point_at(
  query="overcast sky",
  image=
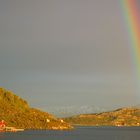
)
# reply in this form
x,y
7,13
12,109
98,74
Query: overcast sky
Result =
x,y
66,52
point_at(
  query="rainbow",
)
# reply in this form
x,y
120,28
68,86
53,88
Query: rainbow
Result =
x,y
132,21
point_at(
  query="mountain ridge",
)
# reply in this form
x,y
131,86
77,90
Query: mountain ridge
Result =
x,y
67,111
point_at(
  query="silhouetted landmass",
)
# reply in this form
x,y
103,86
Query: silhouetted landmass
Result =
x,y
119,117
17,113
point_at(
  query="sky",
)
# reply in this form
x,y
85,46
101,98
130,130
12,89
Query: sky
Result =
x,y
62,53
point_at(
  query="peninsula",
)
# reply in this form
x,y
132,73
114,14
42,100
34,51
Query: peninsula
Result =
x,y
17,113
120,117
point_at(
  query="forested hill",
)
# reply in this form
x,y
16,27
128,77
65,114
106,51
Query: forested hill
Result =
x,y
17,113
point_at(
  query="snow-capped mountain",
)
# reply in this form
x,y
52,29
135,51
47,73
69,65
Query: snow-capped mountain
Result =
x,y
74,110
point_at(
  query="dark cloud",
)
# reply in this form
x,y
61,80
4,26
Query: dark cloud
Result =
x,y
66,48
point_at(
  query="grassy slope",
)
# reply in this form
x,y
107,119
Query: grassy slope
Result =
x,y
124,116
16,112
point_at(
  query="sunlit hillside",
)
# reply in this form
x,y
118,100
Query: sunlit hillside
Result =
x,y
120,117
16,112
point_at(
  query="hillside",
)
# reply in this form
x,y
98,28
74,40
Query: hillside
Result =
x,y
120,117
17,113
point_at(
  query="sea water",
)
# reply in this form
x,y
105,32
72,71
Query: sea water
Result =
x,y
79,133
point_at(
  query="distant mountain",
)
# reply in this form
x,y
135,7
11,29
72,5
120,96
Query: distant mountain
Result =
x,y
68,111
137,106
119,117
16,112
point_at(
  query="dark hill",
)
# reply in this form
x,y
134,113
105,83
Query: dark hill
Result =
x,y
17,113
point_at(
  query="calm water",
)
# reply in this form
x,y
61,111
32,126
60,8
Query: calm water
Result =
x,y
80,133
